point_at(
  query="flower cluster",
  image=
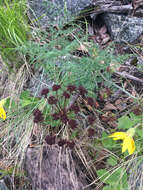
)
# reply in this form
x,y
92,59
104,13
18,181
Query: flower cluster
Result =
x,y
38,116
91,132
91,119
44,92
61,112
52,100
50,140
65,110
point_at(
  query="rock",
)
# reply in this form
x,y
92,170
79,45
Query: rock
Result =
x,y
53,168
123,28
57,11
3,185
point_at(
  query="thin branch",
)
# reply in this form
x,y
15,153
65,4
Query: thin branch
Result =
x,y
126,75
122,89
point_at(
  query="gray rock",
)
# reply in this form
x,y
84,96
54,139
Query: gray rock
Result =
x,y
123,28
53,168
55,12
3,185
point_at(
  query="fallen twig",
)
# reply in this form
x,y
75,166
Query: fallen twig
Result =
x,y
126,75
122,89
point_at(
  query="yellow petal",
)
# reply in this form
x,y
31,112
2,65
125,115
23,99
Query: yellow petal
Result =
x,y
131,148
2,113
118,136
128,144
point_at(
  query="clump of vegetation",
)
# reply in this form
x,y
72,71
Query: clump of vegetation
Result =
x,y
67,56
13,30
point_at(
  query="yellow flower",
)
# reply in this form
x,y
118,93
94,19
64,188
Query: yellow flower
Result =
x,y
2,111
128,142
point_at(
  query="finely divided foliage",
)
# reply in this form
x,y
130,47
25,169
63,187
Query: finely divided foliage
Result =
x,y
62,65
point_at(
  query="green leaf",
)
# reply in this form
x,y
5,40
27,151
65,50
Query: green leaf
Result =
x,y
112,161
26,99
106,141
136,118
107,188
126,122
139,132
117,186
102,174
25,102
111,178
25,94
10,104
74,134
119,174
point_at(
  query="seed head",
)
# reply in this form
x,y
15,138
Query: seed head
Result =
x,y
44,92
90,101
66,95
62,142
56,116
56,87
50,140
70,144
64,117
36,112
38,116
91,132
52,100
72,123
75,108
82,91
71,88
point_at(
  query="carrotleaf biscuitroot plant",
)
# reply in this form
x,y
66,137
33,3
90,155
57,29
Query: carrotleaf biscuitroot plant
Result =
x,y
59,113
67,56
